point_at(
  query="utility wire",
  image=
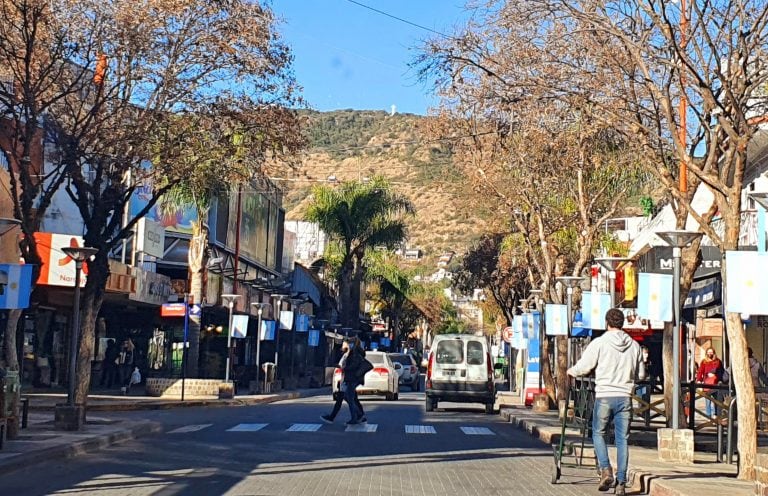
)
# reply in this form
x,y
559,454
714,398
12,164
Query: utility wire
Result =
x,y
400,19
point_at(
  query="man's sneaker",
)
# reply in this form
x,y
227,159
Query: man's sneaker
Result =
x,y
606,479
326,418
353,422
621,489
363,420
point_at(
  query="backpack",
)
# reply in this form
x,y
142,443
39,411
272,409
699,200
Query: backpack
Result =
x,y
365,367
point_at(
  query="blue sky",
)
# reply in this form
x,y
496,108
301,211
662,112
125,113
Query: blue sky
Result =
x,y
347,56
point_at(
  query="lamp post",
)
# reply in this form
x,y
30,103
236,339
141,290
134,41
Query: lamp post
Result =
x,y
677,240
612,264
279,297
296,302
79,255
260,309
762,206
229,300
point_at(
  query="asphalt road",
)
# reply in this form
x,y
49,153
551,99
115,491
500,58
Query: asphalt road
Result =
x,y
285,449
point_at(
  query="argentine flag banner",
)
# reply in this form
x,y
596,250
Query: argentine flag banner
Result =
x,y
556,319
654,296
746,281
531,325
593,308
18,287
518,336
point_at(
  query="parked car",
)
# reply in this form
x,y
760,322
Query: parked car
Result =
x,y
406,368
460,370
383,379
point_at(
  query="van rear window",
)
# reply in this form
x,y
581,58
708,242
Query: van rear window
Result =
x,y
450,352
475,353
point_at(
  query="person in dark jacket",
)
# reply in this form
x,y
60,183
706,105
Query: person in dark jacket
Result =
x,y
354,372
109,365
338,396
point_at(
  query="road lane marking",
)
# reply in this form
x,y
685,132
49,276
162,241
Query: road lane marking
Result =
x,y
420,429
304,427
247,427
362,428
478,431
189,428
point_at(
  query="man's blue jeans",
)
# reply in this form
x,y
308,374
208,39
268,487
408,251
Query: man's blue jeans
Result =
x,y
620,410
351,396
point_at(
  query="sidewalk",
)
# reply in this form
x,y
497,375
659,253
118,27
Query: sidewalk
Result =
x,y
647,474
40,442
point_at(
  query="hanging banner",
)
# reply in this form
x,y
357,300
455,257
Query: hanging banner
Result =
x,y
518,337
594,305
654,296
286,320
17,285
530,324
239,326
746,282
556,318
267,330
313,338
302,323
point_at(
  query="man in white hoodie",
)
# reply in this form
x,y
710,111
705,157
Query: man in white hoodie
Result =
x,y
617,362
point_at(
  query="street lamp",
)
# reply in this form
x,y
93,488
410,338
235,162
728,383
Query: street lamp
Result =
x,y
279,297
612,264
570,282
260,309
229,300
762,201
677,240
79,255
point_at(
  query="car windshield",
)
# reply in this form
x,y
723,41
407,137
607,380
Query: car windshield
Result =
x,y
450,352
375,358
474,353
402,359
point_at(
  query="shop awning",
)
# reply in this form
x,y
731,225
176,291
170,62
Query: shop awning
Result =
x,y
704,292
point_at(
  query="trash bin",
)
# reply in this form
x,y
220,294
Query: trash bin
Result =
x,y
11,389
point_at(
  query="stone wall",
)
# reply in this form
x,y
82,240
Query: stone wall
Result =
x,y
157,386
675,445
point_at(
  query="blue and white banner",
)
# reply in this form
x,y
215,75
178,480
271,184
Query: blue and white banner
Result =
x,y
531,325
286,320
518,336
746,282
654,296
314,337
556,318
239,326
268,330
18,287
302,323
594,305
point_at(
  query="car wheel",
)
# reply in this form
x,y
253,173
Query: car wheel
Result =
x,y
388,396
429,405
396,396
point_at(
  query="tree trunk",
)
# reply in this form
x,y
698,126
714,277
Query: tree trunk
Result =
x,y
196,258
345,295
546,370
562,366
12,363
91,300
745,396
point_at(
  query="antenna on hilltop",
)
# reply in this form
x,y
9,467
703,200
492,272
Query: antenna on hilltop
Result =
x,y
394,109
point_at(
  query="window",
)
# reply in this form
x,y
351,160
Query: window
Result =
x,y
375,359
401,359
475,353
450,352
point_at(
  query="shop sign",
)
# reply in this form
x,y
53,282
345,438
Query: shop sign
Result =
x,y
57,268
173,309
709,328
150,238
150,287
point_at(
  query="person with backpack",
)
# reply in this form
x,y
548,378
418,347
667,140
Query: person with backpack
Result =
x,y
338,397
355,369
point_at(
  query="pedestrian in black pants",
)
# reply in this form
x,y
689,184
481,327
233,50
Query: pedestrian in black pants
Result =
x,y
354,372
109,365
338,396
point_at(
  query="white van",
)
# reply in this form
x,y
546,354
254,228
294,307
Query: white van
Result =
x,y
460,370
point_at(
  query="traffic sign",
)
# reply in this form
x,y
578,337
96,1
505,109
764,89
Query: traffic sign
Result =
x,y
194,310
506,334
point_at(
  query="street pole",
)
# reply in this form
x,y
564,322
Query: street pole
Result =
x,y
676,251
230,299
184,346
75,337
258,337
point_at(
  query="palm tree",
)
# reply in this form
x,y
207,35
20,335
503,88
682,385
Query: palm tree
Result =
x,y
358,216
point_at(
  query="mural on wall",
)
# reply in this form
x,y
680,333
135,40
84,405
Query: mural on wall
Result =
x,y
168,214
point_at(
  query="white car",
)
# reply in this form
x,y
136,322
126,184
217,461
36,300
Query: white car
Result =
x,y
383,379
406,367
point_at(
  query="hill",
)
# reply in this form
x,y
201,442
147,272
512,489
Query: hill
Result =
x,y
352,145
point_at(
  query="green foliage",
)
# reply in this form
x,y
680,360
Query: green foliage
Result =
x,y
646,202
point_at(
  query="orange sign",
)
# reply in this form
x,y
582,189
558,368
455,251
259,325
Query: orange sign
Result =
x,y
57,268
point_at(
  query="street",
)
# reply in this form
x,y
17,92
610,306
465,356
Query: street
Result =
x,y
284,448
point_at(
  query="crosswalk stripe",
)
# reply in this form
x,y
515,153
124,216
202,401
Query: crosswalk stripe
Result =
x,y
247,427
362,428
304,427
189,428
478,431
420,429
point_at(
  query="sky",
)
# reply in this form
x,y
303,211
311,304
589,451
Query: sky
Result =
x,y
349,57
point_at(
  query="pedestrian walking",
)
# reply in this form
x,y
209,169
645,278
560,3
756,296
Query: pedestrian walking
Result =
x,y
617,363
338,396
109,365
355,369
710,372
126,361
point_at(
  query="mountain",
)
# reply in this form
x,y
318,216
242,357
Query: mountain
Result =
x,y
351,145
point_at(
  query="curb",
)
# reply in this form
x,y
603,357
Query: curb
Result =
x,y
87,445
125,406
639,479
